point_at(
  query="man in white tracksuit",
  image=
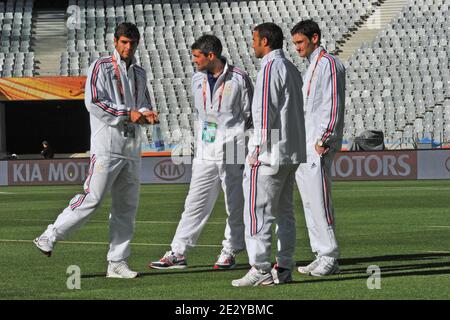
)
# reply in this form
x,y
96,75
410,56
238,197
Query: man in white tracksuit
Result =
x,y
324,94
118,102
276,149
223,95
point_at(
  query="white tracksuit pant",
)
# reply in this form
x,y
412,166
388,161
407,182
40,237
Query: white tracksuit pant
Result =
x,y
314,183
207,178
269,199
121,177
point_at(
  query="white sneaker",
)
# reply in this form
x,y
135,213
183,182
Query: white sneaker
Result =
x,y
254,278
326,267
170,260
120,270
46,241
281,275
310,267
225,261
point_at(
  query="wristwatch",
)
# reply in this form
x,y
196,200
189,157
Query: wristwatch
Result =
x,y
320,143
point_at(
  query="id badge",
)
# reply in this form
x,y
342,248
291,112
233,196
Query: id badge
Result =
x,y
129,131
209,131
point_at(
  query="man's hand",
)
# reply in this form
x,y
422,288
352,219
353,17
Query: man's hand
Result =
x,y
321,150
137,117
252,159
151,117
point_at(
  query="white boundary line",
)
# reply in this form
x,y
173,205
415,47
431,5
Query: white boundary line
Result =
x,y
106,221
445,227
378,189
107,243
136,244
438,251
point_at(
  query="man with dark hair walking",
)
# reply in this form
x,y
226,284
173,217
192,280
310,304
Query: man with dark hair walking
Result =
x,y
324,94
276,149
118,101
223,95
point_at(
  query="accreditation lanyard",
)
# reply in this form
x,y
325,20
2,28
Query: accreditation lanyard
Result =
x,y
221,89
322,53
119,82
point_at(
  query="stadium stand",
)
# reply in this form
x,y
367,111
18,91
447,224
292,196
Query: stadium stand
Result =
x,y
397,82
16,60
168,29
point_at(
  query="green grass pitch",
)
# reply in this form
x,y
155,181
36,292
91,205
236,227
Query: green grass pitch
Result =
x,y
401,227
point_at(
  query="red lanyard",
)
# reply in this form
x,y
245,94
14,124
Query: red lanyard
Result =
x,y
322,53
222,87
119,81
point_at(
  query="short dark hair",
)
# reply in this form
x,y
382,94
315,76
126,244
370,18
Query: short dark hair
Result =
x,y
208,43
272,33
128,30
308,28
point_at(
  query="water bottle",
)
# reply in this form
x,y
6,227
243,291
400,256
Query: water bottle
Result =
x,y
157,137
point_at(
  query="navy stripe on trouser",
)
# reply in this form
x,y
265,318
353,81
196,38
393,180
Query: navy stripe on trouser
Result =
x,y
80,198
252,202
326,193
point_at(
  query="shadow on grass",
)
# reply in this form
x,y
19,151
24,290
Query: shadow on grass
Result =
x,y
189,270
383,275
402,267
399,257
399,270
359,272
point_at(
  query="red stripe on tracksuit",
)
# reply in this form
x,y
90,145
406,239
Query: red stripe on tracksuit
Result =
x,y
78,203
87,190
95,98
91,170
254,169
265,97
238,71
253,190
245,76
334,99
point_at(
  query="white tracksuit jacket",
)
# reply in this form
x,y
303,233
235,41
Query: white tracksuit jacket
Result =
x,y
108,110
278,111
234,116
324,108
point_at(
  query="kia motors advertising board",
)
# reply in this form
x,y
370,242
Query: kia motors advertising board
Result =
x,y
386,165
75,171
433,164
163,170
47,172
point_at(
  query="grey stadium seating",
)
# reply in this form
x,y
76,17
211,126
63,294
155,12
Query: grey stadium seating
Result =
x,y
169,28
398,82
16,60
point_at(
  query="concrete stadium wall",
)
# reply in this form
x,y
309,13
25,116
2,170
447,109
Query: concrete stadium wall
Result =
x,y
348,166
